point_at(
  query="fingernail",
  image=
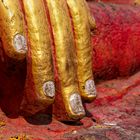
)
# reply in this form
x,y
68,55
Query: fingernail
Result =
x,y
90,88
49,89
20,43
76,104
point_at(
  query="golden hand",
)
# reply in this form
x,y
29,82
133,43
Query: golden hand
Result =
x,y
58,29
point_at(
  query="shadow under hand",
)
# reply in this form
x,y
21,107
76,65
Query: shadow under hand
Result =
x,y
39,119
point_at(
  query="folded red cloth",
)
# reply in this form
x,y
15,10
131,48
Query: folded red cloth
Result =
x,y
116,49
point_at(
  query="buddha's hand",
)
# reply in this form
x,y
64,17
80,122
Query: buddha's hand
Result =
x,y
54,36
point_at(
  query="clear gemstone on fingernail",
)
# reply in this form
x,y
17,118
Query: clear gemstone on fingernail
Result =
x,y
76,104
20,43
49,89
90,88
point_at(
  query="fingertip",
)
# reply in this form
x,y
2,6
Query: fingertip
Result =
x,y
77,110
90,88
49,89
89,93
20,43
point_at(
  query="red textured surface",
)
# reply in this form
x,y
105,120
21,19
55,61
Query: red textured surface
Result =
x,y
114,115
117,1
116,49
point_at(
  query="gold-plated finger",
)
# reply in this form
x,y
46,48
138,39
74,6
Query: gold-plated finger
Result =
x,y
12,29
40,89
65,57
91,19
81,25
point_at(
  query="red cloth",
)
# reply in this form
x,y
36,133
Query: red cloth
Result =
x,y
117,1
116,41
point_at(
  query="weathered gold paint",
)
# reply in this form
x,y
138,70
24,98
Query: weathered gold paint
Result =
x,y
64,46
82,23
39,47
11,23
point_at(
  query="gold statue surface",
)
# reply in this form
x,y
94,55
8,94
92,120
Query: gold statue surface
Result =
x,y
54,38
